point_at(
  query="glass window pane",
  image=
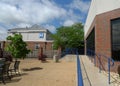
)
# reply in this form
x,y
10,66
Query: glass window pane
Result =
x,y
115,39
90,42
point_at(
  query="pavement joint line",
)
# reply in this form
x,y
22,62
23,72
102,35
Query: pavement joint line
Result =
x,y
85,72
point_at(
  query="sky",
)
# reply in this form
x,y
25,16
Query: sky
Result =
x,y
50,14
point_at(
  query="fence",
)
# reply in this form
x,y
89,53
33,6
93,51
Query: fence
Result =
x,y
35,53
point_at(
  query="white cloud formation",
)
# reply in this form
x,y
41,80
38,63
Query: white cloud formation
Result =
x,y
81,5
71,18
22,25
22,13
29,12
51,28
68,23
3,33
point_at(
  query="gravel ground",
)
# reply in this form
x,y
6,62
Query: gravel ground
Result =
x,y
36,73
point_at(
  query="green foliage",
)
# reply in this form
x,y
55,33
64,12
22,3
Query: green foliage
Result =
x,y
17,47
69,37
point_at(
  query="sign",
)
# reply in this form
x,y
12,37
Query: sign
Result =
x,y
41,35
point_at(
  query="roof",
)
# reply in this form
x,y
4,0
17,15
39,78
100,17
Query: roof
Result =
x,y
34,27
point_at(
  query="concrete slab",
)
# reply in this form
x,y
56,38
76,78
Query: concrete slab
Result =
x,y
91,75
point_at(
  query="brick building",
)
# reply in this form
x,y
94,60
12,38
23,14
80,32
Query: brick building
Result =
x,y
37,38
102,30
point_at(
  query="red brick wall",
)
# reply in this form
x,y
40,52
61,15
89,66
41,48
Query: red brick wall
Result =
x,y
47,47
102,24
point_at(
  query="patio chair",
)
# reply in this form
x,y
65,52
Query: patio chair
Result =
x,y
1,76
15,68
4,71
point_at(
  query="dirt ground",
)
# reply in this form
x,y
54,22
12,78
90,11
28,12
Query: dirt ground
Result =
x,y
36,73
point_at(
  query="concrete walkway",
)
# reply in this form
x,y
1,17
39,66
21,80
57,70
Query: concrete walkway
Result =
x,y
91,75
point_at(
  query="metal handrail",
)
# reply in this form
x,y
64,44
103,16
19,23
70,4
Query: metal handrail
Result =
x,y
79,72
91,52
109,60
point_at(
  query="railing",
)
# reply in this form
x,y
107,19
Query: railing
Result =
x,y
99,56
79,72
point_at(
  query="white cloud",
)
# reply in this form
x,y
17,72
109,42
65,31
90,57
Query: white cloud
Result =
x,y
22,25
29,11
22,13
68,23
71,18
81,5
3,33
51,28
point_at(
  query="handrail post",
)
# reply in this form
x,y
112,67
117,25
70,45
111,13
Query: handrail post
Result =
x,y
99,57
110,60
94,59
109,70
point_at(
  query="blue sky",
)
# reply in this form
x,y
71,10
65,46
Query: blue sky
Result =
x,y
47,13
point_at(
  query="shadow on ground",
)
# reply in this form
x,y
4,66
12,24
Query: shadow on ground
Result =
x,y
14,78
32,69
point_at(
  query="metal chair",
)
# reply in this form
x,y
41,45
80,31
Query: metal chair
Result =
x,y
15,68
4,71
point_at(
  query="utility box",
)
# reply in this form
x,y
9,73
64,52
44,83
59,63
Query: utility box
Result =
x,y
55,58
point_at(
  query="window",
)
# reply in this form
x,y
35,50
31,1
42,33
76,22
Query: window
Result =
x,y
115,29
37,46
14,33
90,42
0,45
41,35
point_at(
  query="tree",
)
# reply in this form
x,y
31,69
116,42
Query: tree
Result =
x,y
69,36
17,47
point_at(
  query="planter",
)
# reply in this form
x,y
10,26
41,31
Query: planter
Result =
x,y
55,58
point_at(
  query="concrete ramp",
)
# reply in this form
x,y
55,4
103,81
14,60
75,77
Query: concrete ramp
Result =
x,y
69,58
91,75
